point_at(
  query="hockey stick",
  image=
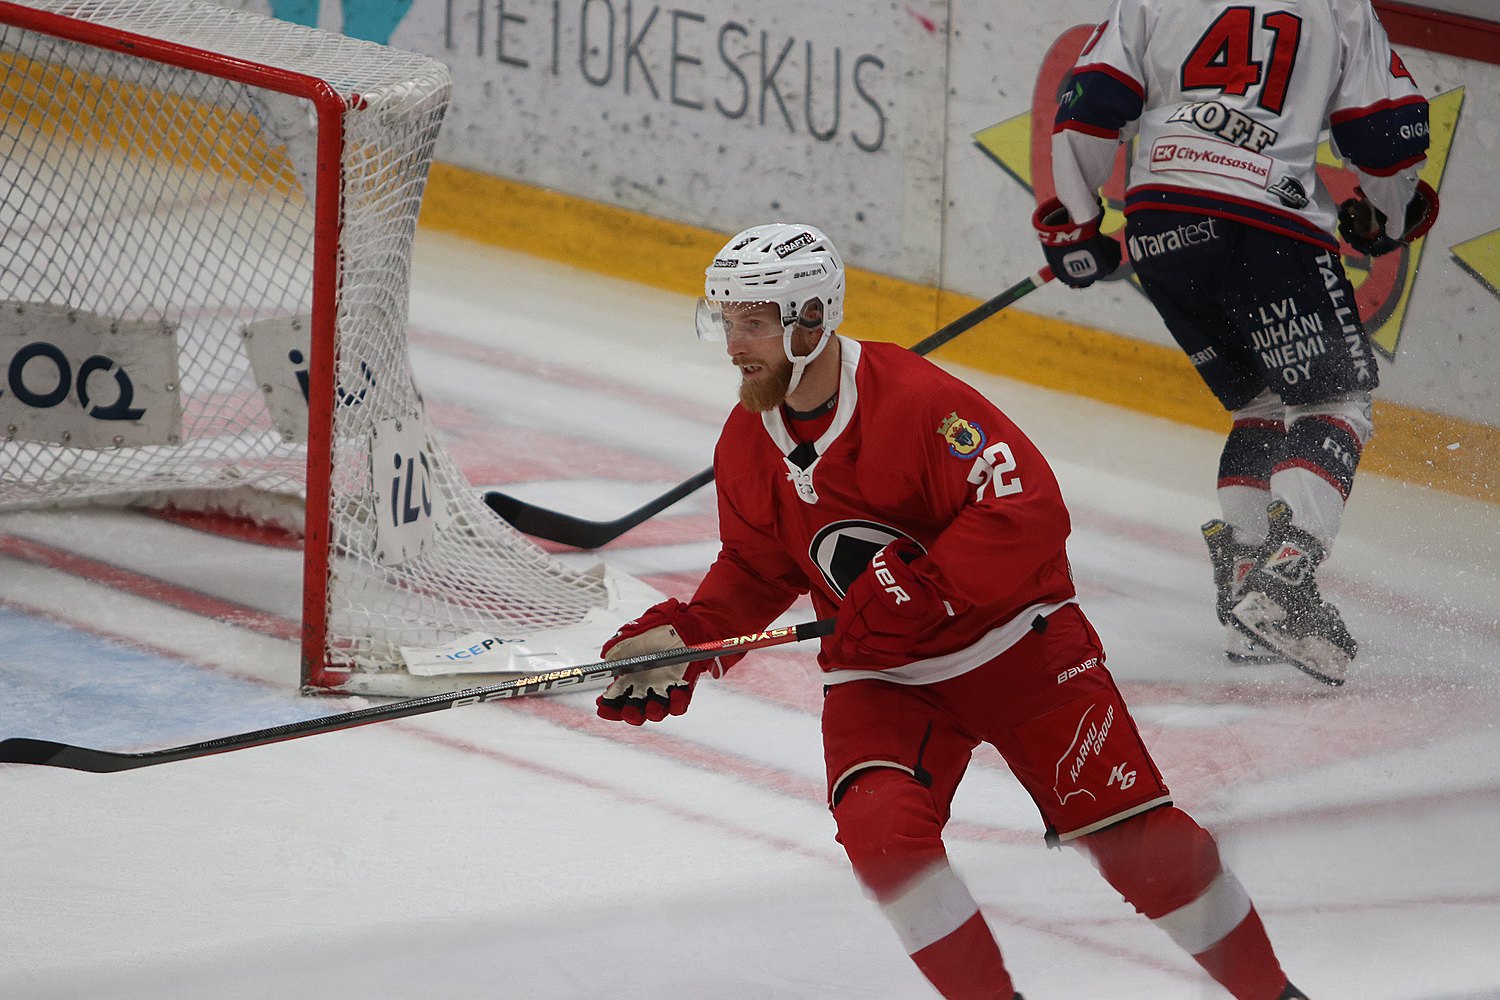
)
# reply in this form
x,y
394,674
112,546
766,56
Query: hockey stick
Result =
x,y
539,522
581,533
22,750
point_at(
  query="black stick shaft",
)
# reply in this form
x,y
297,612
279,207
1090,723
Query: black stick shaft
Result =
x,y
22,750
982,312
581,533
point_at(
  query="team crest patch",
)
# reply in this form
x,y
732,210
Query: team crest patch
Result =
x,y
964,437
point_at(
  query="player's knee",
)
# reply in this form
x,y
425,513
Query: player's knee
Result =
x,y
1254,443
1266,408
1327,438
889,827
1350,413
1159,860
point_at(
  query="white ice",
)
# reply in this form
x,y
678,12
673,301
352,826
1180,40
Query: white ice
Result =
x,y
527,851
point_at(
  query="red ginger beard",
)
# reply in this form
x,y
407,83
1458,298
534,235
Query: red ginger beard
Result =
x,y
767,390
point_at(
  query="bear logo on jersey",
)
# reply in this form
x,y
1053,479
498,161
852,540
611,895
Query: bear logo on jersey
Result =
x,y
843,550
964,437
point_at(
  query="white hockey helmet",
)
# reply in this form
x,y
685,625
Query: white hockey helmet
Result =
x,y
788,264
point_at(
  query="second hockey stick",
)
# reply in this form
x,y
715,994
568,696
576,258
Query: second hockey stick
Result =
x,y
23,750
581,533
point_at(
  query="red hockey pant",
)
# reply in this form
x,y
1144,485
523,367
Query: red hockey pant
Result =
x,y
896,753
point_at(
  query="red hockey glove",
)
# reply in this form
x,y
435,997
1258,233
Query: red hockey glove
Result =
x,y
886,608
1077,252
1362,225
652,695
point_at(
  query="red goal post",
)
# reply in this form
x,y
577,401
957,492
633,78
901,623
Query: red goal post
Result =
x,y
208,223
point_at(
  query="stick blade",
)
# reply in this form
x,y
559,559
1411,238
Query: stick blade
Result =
x,y
552,526
23,750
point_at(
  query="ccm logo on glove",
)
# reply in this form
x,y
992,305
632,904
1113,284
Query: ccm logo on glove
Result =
x,y
1077,252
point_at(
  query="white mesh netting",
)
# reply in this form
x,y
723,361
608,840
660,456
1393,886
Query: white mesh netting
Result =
x,y
142,196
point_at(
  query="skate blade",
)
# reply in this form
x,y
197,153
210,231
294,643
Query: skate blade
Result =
x,y
1257,617
1246,650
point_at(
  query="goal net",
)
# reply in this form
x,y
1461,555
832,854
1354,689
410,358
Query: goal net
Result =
x,y
206,230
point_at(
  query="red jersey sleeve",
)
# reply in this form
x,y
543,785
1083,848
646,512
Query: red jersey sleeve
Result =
x,y
995,510
753,579
1006,540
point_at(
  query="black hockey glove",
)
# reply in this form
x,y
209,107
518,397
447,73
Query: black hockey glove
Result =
x,y
1362,225
1078,253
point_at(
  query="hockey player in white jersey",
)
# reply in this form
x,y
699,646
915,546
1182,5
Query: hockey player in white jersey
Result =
x,y
1231,235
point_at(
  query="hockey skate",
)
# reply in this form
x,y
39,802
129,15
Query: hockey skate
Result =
x,y
1292,993
1232,562
1281,607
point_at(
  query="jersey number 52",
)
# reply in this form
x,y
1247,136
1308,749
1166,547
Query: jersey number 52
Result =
x,y
989,469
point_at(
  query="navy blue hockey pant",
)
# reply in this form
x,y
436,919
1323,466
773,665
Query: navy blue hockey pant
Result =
x,y
1253,309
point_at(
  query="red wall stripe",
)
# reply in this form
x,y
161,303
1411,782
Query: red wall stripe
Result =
x,y
1439,31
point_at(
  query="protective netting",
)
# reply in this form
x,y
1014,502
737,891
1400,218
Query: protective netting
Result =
x,y
147,200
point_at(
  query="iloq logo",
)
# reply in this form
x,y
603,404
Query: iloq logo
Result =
x,y
86,381
410,505
41,376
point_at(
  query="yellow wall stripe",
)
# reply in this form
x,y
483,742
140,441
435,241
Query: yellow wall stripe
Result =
x,y
140,120
1418,446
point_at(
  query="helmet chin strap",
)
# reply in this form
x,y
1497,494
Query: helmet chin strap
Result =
x,y
799,364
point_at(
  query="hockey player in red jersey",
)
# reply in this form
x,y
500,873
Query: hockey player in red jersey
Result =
x,y
921,518
1230,233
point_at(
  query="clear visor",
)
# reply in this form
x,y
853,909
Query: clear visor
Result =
x,y
718,320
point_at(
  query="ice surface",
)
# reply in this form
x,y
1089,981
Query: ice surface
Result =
x,y
526,850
